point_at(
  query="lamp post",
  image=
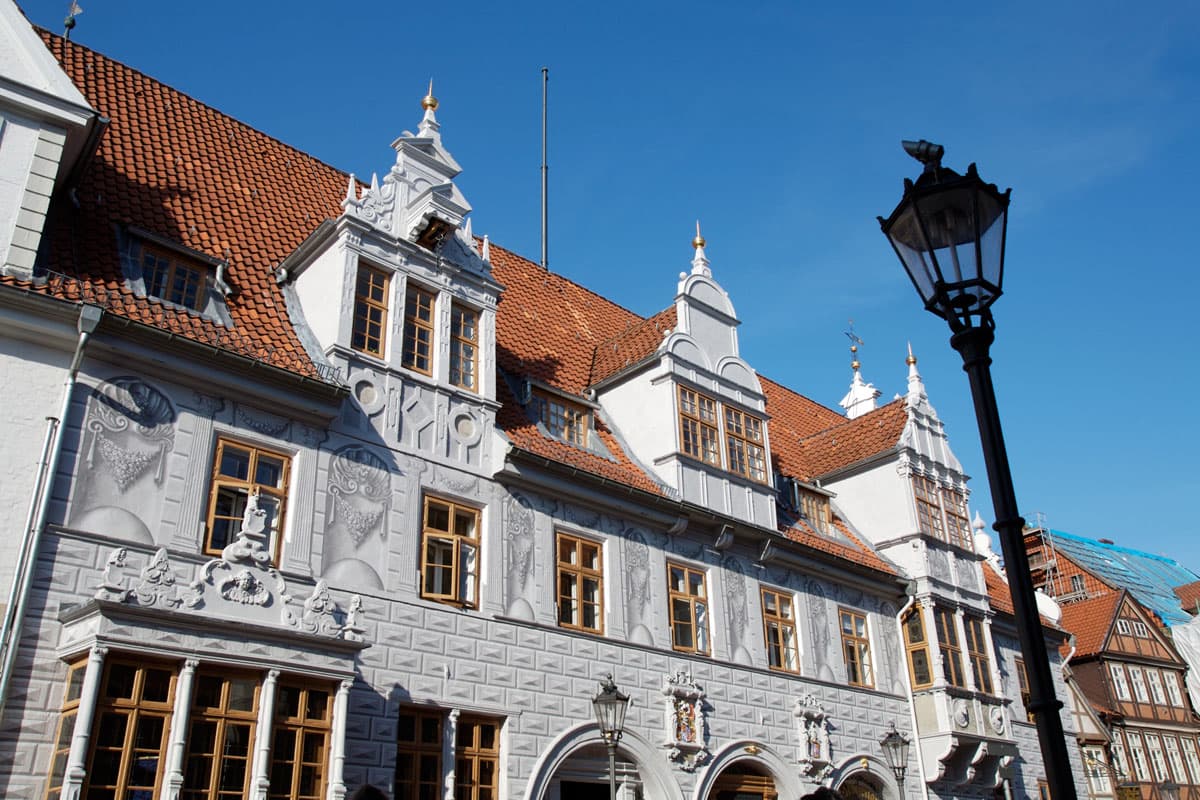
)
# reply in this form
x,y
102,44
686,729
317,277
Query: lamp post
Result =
x,y
948,232
895,751
610,705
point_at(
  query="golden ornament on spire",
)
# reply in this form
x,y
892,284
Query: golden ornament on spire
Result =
x,y
911,358
699,240
429,102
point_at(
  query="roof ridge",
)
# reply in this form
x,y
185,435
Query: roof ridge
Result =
x,y
49,37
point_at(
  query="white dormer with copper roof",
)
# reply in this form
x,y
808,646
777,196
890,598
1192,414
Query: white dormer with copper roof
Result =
x,y
396,294
692,409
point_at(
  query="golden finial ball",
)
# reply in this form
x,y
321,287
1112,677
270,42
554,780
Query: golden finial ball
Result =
x,y
698,241
910,360
855,365
429,102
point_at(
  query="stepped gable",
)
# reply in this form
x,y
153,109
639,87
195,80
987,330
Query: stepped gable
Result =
x,y
852,440
1090,621
634,344
177,168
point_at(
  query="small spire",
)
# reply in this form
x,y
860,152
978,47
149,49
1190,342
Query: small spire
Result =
x,y
699,260
916,387
351,190
486,256
429,102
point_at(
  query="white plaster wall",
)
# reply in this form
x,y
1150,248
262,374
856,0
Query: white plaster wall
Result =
x,y
643,413
320,288
18,140
33,377
877,501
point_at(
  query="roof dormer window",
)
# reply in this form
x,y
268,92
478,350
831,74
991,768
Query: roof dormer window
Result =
x,y
698,426
562,418
173,278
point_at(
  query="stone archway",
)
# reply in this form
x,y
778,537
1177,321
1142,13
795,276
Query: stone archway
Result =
x,y
581,744
865,778
744,765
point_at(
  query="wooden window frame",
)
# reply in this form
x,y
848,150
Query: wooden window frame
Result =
x,y
221,481
133,709
418,749
464,594
1174,752
1174,693
1120,682
301,725
1154,682
562,418
1137,679
420,317
1023,688
778,623
678,600
957,517
745,445
927,493
699,436
1158,757
916,642
171,266
1191,757
223,717
578,574
471,759
949,648
464,348
856,648
977,653
372,290
1141,630
814,509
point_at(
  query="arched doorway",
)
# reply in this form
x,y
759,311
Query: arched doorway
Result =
x,y
743,781
574,766
861,787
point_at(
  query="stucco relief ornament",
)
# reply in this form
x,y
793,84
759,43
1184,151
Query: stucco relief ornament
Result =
x,y
686,721
518,554
318,612
112,585
996,717
156,584
353,630
962,713
812,727
131,428
360,487
244,588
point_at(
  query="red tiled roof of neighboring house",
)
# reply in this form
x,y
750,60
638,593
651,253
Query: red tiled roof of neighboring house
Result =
x,y
853,440
1090,621
1189,596
181,170
631,345
997,589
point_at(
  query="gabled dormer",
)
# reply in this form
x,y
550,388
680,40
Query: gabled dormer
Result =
x,y
687,404
46,130
397,294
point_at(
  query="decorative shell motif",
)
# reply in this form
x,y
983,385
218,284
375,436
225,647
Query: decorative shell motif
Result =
x,y
357,472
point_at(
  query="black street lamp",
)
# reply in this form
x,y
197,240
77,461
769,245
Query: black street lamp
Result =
x,y
948,231
610,706
895,751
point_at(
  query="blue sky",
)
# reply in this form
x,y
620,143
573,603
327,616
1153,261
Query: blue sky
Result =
x,y
777,124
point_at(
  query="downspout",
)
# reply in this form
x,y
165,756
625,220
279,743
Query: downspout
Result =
x,y
39,509
912,701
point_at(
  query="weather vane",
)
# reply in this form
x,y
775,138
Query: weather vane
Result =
x,y
855,343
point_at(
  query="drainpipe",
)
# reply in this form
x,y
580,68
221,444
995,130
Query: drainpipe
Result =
x,y
912,701
39,509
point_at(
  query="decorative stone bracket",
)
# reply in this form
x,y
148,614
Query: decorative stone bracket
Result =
x,y
686,721
812,729
242,585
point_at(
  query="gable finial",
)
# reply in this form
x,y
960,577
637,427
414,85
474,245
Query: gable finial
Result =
x,y
855,342
862,395
916,387
429,102
699,260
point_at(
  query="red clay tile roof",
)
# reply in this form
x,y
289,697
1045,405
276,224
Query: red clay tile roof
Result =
x,y
631,345
1090,621
1189,596
859,553
184,171
997,589
181,170
852,440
